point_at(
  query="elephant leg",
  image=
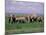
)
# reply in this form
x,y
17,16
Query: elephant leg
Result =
x,y
9,21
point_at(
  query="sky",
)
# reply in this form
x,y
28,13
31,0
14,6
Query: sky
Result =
x,y
13,6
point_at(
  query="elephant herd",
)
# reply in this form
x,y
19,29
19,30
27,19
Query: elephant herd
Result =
x,y
24,19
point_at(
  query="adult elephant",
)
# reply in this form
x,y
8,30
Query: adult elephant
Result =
x,y
40,19
9,19
21,19
13,19
35,18
31,18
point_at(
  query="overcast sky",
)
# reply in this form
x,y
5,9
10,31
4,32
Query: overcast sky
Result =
x,y
24,7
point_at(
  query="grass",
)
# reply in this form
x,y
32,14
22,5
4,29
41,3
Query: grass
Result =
x,y
24,27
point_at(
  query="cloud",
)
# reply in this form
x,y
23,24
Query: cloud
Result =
x,y
13,1
24,7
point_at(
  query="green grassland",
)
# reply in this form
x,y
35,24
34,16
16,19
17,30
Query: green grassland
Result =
x,y
24,27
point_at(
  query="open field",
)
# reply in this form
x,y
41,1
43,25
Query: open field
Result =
x,y
24,27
